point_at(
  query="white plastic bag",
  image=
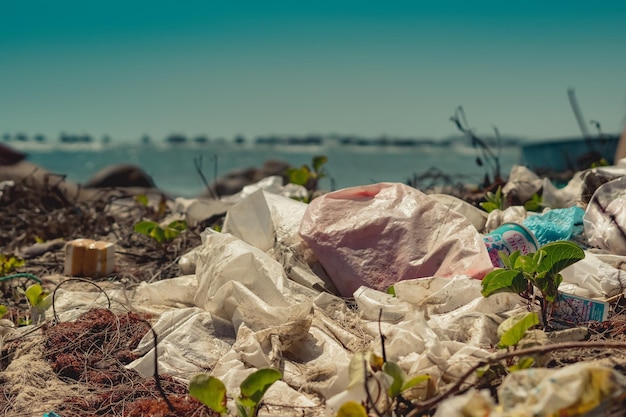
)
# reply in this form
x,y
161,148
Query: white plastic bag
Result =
x,y
376,235
605,217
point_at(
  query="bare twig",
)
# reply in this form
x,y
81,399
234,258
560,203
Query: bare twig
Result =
x,y
54,312
198,165
157,379
461,123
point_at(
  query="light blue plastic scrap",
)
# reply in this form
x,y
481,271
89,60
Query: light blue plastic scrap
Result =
x,y
51,414
556,224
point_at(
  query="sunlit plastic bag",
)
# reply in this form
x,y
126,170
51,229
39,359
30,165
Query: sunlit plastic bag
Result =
x,y
605,217
376,235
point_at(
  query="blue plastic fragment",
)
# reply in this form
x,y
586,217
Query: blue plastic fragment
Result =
x,y
51,414
556,224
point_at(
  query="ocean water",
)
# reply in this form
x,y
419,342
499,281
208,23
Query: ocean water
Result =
x,y
173,166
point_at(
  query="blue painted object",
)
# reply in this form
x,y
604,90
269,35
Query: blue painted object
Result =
x,y
556,224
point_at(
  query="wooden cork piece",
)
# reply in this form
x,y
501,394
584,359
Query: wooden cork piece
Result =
x,y
87,257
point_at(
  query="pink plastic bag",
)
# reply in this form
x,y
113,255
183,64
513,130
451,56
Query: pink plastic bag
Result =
x,y
376,235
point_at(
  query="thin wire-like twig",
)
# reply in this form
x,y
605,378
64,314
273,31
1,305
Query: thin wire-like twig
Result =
x,y
54,312
157,379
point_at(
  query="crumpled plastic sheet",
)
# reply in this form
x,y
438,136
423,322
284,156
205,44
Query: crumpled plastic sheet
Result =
x,y
579,187
379,234
574,390
513,214
556,224
593,277
523,182
605,218
240,312
476,216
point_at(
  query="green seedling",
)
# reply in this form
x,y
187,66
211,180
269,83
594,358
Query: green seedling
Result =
x,y
8,264
159,234
534,204
153,212
211,392
511,332
308,176
495,201
363,366
514,329
523,273
39,301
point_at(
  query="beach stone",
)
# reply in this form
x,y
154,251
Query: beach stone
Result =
x,y
9,156
120,175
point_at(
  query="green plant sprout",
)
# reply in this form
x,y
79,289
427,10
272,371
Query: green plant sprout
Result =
x,y
159,234
152,212
308,177
523,273
534,204
211,392
363,366
39,300
511,331
8,264
495,201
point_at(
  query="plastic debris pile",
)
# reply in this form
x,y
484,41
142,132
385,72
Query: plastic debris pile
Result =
x,y
303,288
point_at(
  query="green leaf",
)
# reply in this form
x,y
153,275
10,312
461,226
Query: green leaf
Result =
x,y
534,204
3,310
416,380
525,263
178,225
23,321
142,199
503,280
524,362
145,227
507,260
299,176
34,293
44,302
158,234
318,161
254,386
515,333
9,263
488,206
558,256
352,409
391,290
394,371
210,391
356,369
173,230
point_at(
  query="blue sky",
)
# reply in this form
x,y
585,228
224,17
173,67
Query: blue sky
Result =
x,y
224,68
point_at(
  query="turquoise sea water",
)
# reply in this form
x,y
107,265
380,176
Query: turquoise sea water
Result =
x,y
172,166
